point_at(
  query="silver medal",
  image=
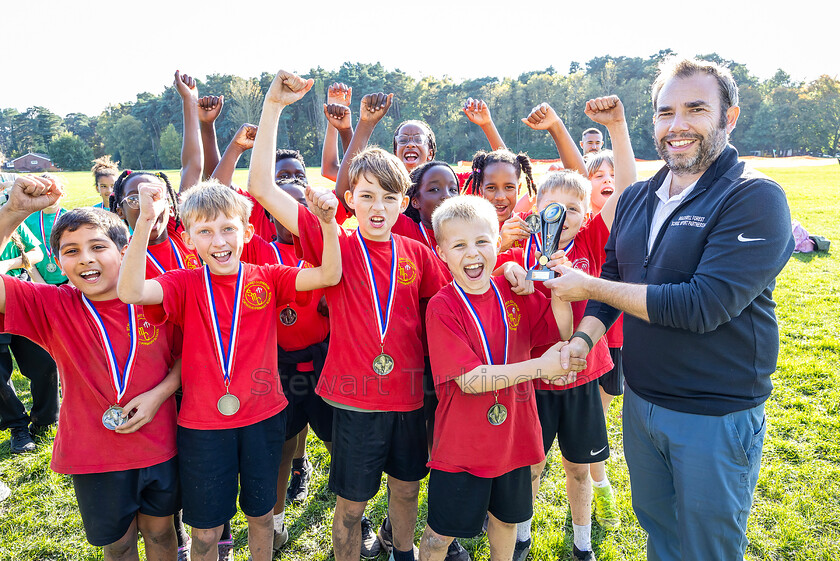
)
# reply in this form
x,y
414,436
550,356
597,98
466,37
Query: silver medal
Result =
x,y
112,418
51,268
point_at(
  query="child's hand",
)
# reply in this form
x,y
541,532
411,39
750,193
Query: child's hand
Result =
x,y
553,371
338,116
31,193
542,117
152,201
606,111
144,408
245,136
516,276
209,108
374,107
513,230
323,204
185,85
287,88
477,112
558,259
339,94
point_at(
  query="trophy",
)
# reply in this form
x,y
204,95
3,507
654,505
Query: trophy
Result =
x,y
550,225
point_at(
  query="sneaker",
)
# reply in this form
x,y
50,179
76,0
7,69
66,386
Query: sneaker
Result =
x,y
583,555
21,441
299,482
226,550
386,535
281,538
37,431
370,544
606,513
184,551
456,552
521,550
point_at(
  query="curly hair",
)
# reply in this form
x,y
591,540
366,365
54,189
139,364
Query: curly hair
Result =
x,y
432,143
102,167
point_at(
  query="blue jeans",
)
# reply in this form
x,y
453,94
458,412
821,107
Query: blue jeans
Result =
x,y
692,478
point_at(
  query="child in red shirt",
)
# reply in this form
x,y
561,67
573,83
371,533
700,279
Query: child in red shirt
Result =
x,y
480,339
116,434
373,373
231,424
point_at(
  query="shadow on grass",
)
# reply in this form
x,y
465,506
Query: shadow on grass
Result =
x,y
808,257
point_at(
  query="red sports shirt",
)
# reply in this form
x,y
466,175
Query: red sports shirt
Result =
x,y
464,440
56,318
254,379
348,375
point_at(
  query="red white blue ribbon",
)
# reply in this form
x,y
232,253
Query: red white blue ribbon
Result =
x,y
44,232
480,327
225,355
157,263
280,257
120,378
428,239
383,316
536,242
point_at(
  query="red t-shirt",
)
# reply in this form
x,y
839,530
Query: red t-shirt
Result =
x,y
258,251
172,254
56,318
263,226
615,334
348,375
254,378
464,439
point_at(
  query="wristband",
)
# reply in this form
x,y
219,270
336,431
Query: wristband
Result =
x,y
586,338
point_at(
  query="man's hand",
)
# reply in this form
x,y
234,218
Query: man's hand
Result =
x,y
322,204
339,94
542,117
210,107
287,88
338,116
515,274
554,371
244,137
607,111
374,107
185,86
571,285
513,229
477,112
31,193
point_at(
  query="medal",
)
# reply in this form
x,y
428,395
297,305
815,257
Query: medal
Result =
x,y
228,404
288,316
533,241
51,266
119,378
497,413
178,258
428,239
534,222
383,363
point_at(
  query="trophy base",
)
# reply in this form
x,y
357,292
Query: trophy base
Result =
x,y
540,275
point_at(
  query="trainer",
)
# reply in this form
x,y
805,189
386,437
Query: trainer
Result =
x,y
692,261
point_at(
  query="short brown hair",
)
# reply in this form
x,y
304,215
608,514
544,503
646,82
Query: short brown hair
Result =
x,y
209,199
106,222
383,166
681,67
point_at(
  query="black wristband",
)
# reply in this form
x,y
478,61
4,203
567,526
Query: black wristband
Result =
x,y
586,338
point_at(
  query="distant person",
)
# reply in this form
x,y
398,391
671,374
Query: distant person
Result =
x,y
105,173
591,141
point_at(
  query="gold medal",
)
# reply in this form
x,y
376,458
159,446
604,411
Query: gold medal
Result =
x,y
543,260
228,404
112,418
497,414
288,316
383,364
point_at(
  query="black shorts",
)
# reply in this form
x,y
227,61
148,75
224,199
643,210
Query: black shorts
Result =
x,y
367,444
109,501
613,381
576,418
305,407
458,502
430,400
215,464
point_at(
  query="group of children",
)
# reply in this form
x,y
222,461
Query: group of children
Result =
x,y
413,345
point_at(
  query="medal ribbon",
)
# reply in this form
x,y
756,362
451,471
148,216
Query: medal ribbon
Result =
x,y
480,327
119,378
44,232
280,258
428,239
157,264
383,317
536,241
226,357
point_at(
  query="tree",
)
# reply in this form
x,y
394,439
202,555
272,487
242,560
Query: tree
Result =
x,y
70,152
169,150
133,143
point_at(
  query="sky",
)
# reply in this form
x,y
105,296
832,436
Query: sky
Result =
x,y
81,57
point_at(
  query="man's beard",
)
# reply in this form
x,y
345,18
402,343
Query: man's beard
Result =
x,y
708,150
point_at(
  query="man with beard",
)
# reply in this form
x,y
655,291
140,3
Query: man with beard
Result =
x,y
692,261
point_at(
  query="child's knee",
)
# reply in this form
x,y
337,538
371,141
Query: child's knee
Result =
x,y
205,540
578,472
349,513
404,490
435,541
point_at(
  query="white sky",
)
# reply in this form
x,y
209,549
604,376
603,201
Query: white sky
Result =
x,y
81,56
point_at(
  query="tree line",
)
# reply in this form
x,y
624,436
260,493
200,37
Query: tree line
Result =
x,y
778,115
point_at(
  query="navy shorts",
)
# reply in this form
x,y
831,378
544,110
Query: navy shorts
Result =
x,y
305,407
613,381
365,444
576,418
216,464
458,502
109,501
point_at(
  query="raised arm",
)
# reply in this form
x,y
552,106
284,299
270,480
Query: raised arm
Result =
x,y
478,112
543,117
132,287
337,94
609,111
241,142
192,159
323,204
285,90
209,108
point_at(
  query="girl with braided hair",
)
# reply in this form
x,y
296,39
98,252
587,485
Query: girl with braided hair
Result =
x,y
105,173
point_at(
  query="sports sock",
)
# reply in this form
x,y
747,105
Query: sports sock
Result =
x,y
403,555
523,531
279,520
582,536
181,532
297,463
599,484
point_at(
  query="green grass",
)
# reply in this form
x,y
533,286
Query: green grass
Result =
x,y
794,515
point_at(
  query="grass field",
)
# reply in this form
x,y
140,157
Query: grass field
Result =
x,y
795,512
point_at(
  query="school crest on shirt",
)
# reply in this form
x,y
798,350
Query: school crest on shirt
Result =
x,y
513,315
147,333
191,262
582,264
257,295
406,271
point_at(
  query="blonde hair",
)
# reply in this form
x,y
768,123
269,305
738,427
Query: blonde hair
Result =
x,y
566,181
386,168
209,199
595,161
470,208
